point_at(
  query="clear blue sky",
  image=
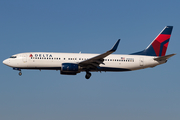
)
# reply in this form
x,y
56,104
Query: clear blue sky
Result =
x,y
90,27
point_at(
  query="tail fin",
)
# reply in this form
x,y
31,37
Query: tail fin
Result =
x,y
159,45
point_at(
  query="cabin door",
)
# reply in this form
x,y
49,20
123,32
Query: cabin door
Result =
x,y
141,61
24,58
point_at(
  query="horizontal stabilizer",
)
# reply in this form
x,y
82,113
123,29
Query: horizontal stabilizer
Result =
x,y
164,57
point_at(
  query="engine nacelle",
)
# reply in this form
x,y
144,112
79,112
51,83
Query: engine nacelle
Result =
x,y
69,69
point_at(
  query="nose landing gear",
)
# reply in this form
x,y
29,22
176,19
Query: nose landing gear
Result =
x,y
20,73
88,75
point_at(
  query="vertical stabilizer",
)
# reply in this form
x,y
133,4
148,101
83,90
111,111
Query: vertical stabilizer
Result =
x,y
159,45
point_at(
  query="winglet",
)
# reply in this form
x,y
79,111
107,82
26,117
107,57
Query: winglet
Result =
x,y
113,49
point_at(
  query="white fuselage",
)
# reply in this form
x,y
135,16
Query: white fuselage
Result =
x,y
53,61
73,63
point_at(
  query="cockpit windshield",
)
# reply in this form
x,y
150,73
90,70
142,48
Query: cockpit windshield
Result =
x,y
13,57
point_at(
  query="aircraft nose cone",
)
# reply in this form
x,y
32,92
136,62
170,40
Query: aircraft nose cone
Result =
x,y
5,62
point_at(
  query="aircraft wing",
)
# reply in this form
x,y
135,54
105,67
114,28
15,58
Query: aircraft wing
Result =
x,y
164,57
95,61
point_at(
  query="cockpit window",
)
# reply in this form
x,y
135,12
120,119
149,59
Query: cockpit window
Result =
x,y
13,57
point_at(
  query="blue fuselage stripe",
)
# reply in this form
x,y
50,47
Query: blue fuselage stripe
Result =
x,y
59,68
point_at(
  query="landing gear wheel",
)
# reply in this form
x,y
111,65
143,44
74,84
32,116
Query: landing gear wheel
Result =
x,y
20,73
88,75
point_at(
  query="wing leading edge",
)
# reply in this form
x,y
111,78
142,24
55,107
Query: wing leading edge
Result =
x,y
95,61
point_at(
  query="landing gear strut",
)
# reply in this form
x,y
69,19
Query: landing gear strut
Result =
x,y
88,75
20,73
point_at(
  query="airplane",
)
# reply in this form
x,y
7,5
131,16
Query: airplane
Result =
x,y
73,63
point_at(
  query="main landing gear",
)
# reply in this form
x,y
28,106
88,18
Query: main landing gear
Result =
x,y
88,75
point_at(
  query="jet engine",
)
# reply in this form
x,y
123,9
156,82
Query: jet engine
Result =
x,y
69,69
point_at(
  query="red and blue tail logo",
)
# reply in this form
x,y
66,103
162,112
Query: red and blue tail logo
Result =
x,y
159,45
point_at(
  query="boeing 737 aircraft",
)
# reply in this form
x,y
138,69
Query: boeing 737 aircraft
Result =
x,y
73,63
